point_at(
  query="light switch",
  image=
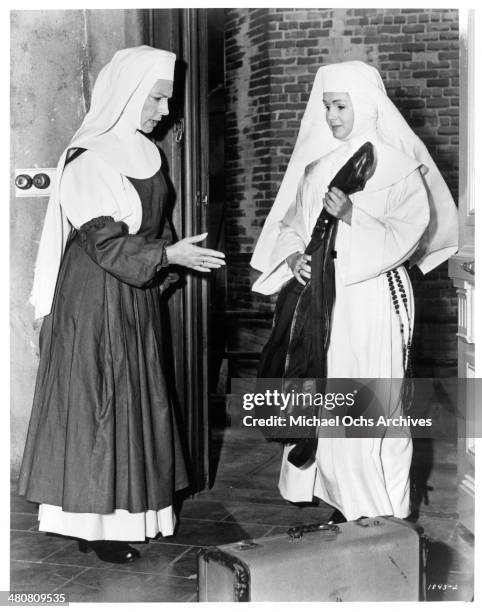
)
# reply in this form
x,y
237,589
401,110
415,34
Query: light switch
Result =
x,y
34,182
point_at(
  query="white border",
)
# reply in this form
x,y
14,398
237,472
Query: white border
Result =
x,y
4,255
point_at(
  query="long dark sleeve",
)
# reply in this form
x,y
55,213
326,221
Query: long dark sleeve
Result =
x,y
131,258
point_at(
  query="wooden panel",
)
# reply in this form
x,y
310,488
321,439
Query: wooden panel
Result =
x,y
184,140
162,30
196,196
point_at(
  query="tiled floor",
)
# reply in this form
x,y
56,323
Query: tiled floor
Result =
x,y
243,503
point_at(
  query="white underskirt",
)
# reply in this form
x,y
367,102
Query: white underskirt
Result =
x,y
119,525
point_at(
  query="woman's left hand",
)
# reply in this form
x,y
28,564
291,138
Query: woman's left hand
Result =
x,y
338,204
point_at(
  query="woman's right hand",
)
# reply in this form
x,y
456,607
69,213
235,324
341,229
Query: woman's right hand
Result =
x,y
186,253
300,265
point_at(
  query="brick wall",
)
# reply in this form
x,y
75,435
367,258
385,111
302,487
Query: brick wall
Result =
x,y
272,56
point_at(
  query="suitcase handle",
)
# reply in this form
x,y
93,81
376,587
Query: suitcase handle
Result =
x,y
296,533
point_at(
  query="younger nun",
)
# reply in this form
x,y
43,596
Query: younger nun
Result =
x,y
405,213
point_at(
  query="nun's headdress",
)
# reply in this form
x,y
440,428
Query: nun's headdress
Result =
x,y
110,129
366,89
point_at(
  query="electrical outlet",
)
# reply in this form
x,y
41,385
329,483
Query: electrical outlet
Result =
x,y
34,182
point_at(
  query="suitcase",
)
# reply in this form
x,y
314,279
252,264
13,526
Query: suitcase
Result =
x,y
370,559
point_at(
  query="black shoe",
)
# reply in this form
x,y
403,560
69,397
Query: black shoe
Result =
x,y
336,517
110,550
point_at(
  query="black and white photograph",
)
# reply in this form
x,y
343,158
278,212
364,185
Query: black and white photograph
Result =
x,y
242,305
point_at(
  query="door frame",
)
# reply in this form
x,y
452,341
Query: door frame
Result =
x,y
184,31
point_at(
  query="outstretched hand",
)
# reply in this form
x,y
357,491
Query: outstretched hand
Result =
x,y
186,253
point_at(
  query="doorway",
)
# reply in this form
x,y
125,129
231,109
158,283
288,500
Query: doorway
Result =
x,y
193,145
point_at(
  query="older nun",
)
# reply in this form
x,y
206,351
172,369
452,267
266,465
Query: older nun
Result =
x,y
404,214
103,457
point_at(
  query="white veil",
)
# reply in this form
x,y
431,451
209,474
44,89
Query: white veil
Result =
x,y
109,129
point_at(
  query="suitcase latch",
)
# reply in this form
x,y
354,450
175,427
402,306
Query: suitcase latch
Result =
x,y
365,521
246,545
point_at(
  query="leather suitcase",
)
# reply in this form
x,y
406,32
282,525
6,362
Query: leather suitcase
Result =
x,y
370,559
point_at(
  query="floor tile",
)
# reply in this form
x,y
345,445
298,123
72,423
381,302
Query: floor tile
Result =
x,y
223,492
34,546
23,522
69,554
438,529
453,554
203,509
210,533
155,558
185,566
102,585
39,577
288,515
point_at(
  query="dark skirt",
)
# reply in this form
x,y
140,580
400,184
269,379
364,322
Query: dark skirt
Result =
x,y
103,434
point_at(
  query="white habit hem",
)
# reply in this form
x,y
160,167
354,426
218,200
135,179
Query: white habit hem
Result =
x,y
119,525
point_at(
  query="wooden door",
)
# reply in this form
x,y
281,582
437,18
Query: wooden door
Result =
x,y
185,144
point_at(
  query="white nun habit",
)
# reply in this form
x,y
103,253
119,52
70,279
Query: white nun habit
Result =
x,y
404,213
98,187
